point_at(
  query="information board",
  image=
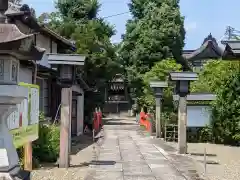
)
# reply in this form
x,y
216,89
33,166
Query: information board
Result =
x,y
198,116
23,123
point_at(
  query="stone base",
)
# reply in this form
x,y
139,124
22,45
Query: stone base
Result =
x,y
182,150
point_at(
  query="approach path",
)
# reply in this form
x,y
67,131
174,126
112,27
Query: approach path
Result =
x,y
126,154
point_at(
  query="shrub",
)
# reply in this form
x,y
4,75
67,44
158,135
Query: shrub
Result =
x,y
46,147
206,134
225,114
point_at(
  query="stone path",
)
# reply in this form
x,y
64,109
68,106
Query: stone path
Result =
x,y
127,155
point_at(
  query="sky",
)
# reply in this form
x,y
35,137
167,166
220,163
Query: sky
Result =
x,y
202,17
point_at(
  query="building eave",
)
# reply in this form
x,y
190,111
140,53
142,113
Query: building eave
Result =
x,y
232,50
63,41
199,53
30,21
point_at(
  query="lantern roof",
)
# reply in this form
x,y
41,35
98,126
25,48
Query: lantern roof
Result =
x,y
118,78
16,43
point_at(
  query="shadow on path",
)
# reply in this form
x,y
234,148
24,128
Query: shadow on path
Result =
x,y
202,154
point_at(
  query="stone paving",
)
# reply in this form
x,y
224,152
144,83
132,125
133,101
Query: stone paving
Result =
x,y
127,155
223,162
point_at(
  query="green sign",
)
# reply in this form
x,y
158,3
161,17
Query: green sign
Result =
x,y
24,122
24,134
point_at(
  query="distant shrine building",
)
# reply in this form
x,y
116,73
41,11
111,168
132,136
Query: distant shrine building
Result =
x,y
208,50
116,96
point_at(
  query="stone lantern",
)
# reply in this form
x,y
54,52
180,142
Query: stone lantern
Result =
x,y
14,47
157,87
182,80
66,64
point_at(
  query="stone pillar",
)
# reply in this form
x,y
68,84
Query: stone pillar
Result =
x,y
158,117
80,114
182,125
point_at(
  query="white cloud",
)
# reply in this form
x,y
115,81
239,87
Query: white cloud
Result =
x,y
189,26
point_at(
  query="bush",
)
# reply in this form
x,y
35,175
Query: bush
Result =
x,y
206,134
46,147
225,112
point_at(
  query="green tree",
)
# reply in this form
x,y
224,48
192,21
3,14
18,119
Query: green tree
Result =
x,y
137,7
78,9
226,111
222,78
77,20
155,33
160,71
212,75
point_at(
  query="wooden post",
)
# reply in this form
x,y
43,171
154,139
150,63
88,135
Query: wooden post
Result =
x,y
65,128
28,156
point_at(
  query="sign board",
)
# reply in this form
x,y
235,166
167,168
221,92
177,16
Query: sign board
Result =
x,y
198,116
23,123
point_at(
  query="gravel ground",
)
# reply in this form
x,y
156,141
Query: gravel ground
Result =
x,y
223,162
82,155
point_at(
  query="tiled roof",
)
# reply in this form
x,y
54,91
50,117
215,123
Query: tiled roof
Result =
x,y
13,12
209,49
232,49
11,37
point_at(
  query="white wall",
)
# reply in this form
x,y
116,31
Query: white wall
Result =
x,y
43,42
25,75
198,116
46,43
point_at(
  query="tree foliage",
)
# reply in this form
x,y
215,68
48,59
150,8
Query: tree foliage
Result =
x,y
78,9
212,75
155,33
160,71
77,20
226,111
223,79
